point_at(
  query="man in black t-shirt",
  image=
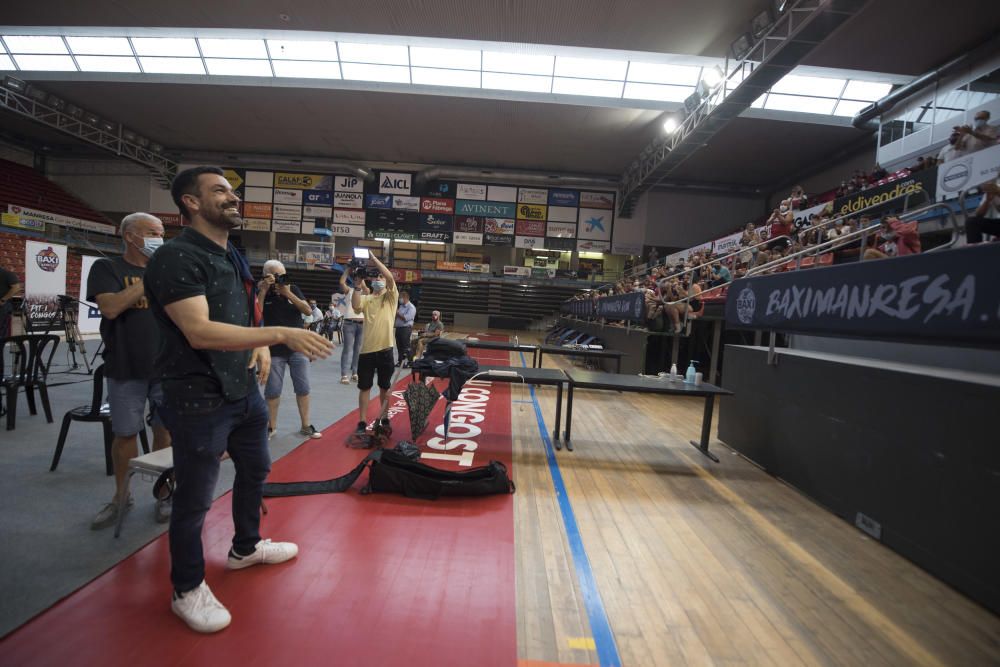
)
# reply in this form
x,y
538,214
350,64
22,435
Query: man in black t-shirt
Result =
x,y
10,286
131,339
202,294
284,305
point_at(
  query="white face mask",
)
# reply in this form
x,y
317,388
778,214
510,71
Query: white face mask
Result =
x,y
979,123
150,244
378,285
784,209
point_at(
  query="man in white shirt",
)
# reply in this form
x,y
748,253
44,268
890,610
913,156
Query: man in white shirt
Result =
x,y
405,314
978,136
352,328
985,218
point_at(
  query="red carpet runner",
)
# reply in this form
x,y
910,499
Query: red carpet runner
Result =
x,y
380,580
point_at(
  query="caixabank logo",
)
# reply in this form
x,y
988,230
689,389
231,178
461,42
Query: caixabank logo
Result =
x,y
47,259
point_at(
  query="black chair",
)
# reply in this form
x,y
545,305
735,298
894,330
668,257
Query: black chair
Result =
x,y
30,370
97,411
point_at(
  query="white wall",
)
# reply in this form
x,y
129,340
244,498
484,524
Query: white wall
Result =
x,y
683,220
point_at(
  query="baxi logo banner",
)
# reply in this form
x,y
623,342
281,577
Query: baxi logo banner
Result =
x,y
47,259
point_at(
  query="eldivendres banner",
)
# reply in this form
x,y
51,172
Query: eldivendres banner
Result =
x,y
89,318
44,278
921,186
947,296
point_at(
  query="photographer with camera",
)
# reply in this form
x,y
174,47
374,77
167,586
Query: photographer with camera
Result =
x,y
284,305
379,311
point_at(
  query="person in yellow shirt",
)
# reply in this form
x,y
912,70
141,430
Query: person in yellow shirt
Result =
x,y
379,310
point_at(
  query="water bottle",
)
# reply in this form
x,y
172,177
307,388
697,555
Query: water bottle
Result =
x,y
673,371
689,377
517,343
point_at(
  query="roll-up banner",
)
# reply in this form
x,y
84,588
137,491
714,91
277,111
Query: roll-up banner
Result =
x,y
44,278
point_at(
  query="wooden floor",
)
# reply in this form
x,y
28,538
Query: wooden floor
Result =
x,y
703,563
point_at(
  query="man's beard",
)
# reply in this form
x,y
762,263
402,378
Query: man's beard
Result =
x,y
225,220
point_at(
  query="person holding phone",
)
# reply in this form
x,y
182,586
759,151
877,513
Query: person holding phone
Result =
x,y
351,327
379,310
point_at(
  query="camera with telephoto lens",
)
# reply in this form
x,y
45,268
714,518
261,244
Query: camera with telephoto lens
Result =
x,y
280,278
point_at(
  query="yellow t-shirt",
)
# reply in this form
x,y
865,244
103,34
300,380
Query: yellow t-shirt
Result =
x,y
380,315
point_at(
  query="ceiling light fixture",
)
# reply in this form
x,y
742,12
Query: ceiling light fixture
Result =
x,y
741,47
14,84
761,24
670,124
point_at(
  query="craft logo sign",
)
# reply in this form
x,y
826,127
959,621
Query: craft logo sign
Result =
x,y
564,198
530,212
490,209
597,200
393,183
47,260
349,184
746,305
435,205
378,201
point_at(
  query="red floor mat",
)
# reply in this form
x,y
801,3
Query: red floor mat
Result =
x,y
380,580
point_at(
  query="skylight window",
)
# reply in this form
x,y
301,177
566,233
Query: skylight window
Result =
x,y
849,107
165,46
375,54
232,48
100,46
652,91
678,75
383,73
815,86
820,105
284,49
238,67
107,63
591,68
6,62
588,87
422,56
306,69
34,44
866,90
517,63
445,77
172,65
45,63
519,82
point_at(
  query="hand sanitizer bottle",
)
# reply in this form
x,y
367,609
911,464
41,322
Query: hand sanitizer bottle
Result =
x,y
689,377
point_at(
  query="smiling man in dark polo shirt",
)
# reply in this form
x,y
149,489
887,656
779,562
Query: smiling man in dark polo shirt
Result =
x,y
202,294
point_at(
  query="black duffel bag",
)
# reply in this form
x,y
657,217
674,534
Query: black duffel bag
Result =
x,y
392,472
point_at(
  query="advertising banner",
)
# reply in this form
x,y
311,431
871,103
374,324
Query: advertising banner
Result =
x,y
492,239
444,189
256,225
553,243
30,216
88,319
298,181
260,179
593,246
727,244
286,196
583,308
532,196
258,195
349,184
889,197
530,212
517,271
563,214
626,248
597,200
404,203
313,212
350,231
968,171
318,197
435,227
469,223
236,178
348,217
402,225
563,230
530,228
378,201
490,209
499,226
945,296
255,210
286,212
471,191
536,242
436,205
407,276
467,238
286,226
44,278
594,224
501,193
564,198
14,220
631,307
348,200
170,219
394,183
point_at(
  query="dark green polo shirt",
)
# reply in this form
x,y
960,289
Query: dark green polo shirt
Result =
x,y
193,265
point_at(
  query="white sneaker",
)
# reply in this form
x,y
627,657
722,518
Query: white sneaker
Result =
x,y
266,552
201,610
354,378
344,379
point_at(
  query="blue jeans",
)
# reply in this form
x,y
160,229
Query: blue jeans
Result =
x,y
353,333
298,365
239,427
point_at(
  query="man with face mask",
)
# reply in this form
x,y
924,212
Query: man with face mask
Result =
x,y
379,310
131,338
405,315
212,354
978,136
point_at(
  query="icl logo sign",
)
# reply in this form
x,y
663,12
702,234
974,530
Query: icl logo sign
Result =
x,y
390,183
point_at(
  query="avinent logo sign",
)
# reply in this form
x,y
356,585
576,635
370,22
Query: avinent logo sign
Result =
x,y
392,183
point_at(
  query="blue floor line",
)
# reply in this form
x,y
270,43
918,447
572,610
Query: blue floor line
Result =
x,y
604,640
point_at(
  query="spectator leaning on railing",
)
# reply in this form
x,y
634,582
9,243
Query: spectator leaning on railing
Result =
x,y
986,216
900,238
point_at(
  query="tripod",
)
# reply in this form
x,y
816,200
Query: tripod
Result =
x,y
66,314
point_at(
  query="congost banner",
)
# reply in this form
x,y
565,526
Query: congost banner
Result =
x,y
44,278
89,318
